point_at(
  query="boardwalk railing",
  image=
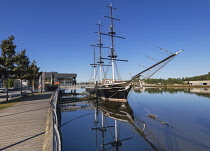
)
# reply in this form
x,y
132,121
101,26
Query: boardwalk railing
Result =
x,y
55,124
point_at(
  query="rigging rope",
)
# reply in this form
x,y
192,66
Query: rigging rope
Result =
x,y
91,76
118,73
103,74
157,51
107,69
151,58
163,49
160,67
97,73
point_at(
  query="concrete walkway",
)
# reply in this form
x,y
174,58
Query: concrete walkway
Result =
x,y
22,126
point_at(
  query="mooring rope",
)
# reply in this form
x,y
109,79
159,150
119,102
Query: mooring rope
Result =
x,y
75,119
154,117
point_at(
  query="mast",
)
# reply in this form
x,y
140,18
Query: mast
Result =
x,y
103,129
100,46
117,141
94,65
100,49
96,126
112,34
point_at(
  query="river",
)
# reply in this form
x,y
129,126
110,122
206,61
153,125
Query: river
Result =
x,y
155,119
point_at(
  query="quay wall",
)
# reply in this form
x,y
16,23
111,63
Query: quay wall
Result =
x,y
48,141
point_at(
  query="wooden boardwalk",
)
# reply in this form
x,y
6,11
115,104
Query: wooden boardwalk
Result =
x,y
22,126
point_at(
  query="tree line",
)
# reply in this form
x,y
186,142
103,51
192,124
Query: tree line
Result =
x,y
16,65
171,81
198,78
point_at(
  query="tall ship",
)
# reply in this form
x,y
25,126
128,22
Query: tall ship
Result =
x,y
109,88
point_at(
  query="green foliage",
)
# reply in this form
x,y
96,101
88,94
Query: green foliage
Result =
x,y
198,78
7,57
22,65
33,73
8,48
10,83
15,65
169,81
1,68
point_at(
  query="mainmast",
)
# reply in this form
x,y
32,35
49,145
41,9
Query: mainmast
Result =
x,y
112,34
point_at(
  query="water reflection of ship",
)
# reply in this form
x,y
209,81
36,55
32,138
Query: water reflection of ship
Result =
x,y
119,112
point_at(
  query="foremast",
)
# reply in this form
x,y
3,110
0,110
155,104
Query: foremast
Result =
x,y
100,53
100,45
94,65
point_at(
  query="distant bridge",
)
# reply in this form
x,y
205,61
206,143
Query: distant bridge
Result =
x,y
79,86
72,107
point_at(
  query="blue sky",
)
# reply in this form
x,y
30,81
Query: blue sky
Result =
x,y
57,33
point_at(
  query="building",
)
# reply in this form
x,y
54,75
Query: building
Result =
x,y
50,79
17,84
203,82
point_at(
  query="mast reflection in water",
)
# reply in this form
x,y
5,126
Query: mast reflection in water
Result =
x,y
108,125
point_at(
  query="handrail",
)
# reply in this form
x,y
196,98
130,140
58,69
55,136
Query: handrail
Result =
x,y
56,134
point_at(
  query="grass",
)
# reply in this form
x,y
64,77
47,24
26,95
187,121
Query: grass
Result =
x,y
6,104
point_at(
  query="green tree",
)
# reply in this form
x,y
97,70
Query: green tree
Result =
x,y
21,67
9,82
7,59
1,68
33,74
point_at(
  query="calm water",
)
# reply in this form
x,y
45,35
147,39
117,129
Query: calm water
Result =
x,y
180,121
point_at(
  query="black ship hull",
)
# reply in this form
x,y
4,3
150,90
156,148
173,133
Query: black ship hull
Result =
x,y
114,93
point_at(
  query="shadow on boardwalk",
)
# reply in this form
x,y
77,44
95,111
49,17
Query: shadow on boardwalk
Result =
x,y
22,126
22,141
